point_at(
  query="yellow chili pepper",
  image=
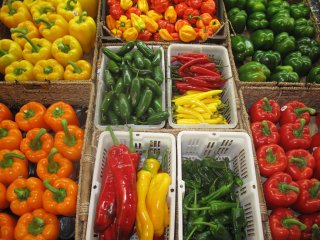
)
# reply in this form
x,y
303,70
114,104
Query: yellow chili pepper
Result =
x,y
165,35
151,25
151,163
200,96
170,15
14,13
192,112
48,70
126,4
110,22
154,15
19,71
215,25
143,5
187,33
27,28
123,23
69,9
10,52
137,22
130,34
117,33
41,8
196,121
192,101
80,70
204,115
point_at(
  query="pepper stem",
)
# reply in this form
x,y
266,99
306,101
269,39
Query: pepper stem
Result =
x,y
36,226
164,160
19,30
22,193
76,68
8,160
29,113
2,52
289,222
197,209
47,70
298,133
300,111
299,161
265,128
3,132
313,192
192,232
267,107
57,112
114,138
64,47
35,47
46,9
132,149
12,10
285,188
69,139
315,231
81,17
18,71
45,21
270,156
53,166
69,7
36,142
205,223
59,194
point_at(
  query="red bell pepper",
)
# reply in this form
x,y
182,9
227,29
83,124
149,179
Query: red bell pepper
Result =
x,y
293,111
312,221
280,190
196,4
264,132
309,197
265,109
300,164
316,171
116,11
180,8
134,10
166,25
284,225
271,159
208,6
295,136
315,142
145,35
318,120
191,15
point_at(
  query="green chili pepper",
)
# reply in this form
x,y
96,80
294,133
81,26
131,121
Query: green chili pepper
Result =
x,y
147,64
126,48
106,102
135,91
158,75
157,104
127,76
112,117
113,66
125,107
144,49
108,79
111,55
128,56
116,107
223,190
119,87
157,57
138,60
144,103
152,84
238,221
218,231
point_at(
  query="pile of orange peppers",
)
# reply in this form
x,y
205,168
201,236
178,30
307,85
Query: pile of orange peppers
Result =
x,y
47,40
52,140
162,20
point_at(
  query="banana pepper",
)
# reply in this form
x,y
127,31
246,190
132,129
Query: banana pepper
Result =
x,y
10,51
123,23
137,22
126,4
14,13
48,70
19,71
187,33
154,15
27,28
69,9
41,8
143,5
80,70
151,25
170,15
130,34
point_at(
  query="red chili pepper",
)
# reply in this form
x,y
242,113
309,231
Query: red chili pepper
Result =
x,y
264,132
182,58
186,86
180,9
295,135
293,111
316,171
284,225
265,109
203,71
280,190
182,91
202,83
300,164
145,35
194,61
211,78
210,66
191,15
312,221
194,55
271,159
134,10
309,197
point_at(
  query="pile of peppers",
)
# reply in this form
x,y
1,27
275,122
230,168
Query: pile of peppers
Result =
x,y
291,166
211,208
281,45
47,41
40,150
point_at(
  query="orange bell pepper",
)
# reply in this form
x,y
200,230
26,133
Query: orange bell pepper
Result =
x,y
38,225
13,165
187,34
215,25
180,23
54,166
37,144
3,200
10,135
7,225
5,113
60,198
25,195
170,15
58,111
206,18
31,116
69,141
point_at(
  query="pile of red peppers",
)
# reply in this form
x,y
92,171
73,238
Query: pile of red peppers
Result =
x,y
289,158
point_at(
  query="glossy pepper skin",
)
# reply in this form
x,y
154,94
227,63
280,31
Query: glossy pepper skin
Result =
x,y
256,6
300,164
19,71
256,21
151,25
265,109
294,111
284,74
235,3
277,6
170,15
284,225
310,220
269,58
39,9
262,39
80,70
264,132
5,113
299,10
130,34
27,28
10,52
253,72
69,9
284,43
238,19
49,69
3,198
7,226
14,13
10,135
309,47
314,75
301,64
303,28
187,33
282,22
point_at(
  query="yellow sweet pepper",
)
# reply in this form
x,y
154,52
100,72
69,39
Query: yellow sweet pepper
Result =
x,y
110,22
90,6
80,70
126,4
30,3
27,28
130,34
19,71
170,15
165,35
10,52
151,25
55,3
137,22
187,33
154,15
143,5
152,163
215,25
69,9
14,13
41,8
53,26
65,49
123,23
117,33
81,24
48,70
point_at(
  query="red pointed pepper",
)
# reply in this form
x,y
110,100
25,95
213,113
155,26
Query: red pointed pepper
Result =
x,y
265,109
300,164
316,171
312,221
293,111
264,132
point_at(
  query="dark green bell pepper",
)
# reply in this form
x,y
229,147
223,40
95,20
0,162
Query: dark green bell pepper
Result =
x,y
314,75
303,28
309,47
242,47
284,74
235,3
299,10
256,6
282,22
238,19
257,20
254,72
269,58
300,64
276,6
284,43
262,39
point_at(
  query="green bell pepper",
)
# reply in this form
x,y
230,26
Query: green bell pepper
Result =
x,y
256,6
238,19
314,75
235,3
262,39
282,22
309,47
276,6
284,74
269,58
254,72
257,20
303,28
242,47
284,43
301,64
299,10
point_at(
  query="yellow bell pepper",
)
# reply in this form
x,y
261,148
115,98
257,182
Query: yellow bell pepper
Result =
x,y
69,9
110,22
41,8
19,71
215,25
154,15
137,22
84,24
27,28
187,33
90,6
165,35
117,33
48,70
65,49
14,13
53,26
130,34
123,23
80,70
10,52
151,25
170,15
30,3
143,5
55,3
126,4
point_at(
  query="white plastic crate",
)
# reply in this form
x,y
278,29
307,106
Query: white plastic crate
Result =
x,y
228,95
101,89
142,141
237,147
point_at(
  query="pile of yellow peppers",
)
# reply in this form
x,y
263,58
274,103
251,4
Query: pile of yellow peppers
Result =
x,y
199,107
49,39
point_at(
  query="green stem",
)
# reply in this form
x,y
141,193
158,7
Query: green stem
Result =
x,y
3,132
36,226
205,223
12,10
76,68
46,9
36,143
19,30
298,133
8,160
64,47
53,166
3,52
191,233
265,128
35,47
81,17
267,107
289,222
29,113
223,190
300,111
22,193
69,139
45,21
197,209
132,149
270,156
69,7
57,112
59,194
313,192
299,161
47,70
315,231
163,166
285,188
18,71
114,138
